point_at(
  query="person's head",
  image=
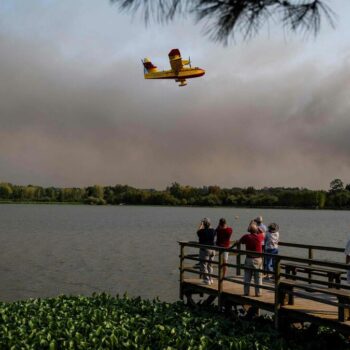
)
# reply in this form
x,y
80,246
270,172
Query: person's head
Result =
x,y
253,228
258,220
252,222
206,222
222,222
273,227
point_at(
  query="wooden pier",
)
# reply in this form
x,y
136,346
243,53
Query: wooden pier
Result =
x,y
303,290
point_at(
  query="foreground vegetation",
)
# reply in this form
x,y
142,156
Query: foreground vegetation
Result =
x,y
105,322
337,197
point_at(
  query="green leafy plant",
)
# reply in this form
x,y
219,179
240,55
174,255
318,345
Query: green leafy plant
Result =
x,y
105,322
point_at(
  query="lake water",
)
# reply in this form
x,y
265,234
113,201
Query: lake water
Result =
x,y
47,250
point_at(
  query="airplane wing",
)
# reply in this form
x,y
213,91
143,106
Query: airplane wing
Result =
x,y
175,60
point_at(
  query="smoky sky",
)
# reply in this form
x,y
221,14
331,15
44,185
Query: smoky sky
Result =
x,y
75,109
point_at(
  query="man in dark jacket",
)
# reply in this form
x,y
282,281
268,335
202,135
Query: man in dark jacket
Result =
x,y
206,236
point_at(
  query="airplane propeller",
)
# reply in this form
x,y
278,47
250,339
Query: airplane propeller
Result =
x,y
189,63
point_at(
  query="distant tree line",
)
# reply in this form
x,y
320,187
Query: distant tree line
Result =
x,y
337,197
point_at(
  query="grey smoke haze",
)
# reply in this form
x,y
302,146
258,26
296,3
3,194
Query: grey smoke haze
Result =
x,y
75,110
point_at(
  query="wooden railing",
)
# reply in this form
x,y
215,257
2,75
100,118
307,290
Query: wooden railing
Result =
x,y
284,286
310,249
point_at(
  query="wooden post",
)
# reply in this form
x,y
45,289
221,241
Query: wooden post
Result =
x,y
182,257
343,312
277,290
238,260
311,256
220,279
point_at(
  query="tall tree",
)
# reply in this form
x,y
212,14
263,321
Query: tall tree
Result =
x,y
5,191
225,18
336,185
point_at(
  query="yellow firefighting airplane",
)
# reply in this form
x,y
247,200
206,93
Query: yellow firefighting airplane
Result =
x,y
178,71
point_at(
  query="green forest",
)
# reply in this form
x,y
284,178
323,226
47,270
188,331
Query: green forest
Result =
x,y
337,197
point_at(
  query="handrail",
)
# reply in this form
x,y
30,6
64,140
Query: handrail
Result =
x,y
289,244
308,246
282,257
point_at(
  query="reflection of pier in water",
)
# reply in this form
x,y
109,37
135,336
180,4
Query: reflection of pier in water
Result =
x,y
303,289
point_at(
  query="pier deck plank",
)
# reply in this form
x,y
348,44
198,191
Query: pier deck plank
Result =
x,y
309,308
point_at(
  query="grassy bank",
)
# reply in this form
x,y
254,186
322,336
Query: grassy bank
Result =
x,y
105,322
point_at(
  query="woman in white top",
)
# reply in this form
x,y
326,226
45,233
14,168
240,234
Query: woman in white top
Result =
x,y
271,246
347,253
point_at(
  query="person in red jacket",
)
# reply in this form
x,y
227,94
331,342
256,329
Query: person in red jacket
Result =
x,y
254,263
223,235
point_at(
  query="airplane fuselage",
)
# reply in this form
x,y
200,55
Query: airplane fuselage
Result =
x,y
184,73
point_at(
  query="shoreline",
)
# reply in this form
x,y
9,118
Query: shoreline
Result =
x,y
173,206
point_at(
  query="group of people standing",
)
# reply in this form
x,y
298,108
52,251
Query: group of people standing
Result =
x,y
259,239
207,235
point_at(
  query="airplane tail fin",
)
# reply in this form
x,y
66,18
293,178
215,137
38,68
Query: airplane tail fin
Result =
x,y
149,66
